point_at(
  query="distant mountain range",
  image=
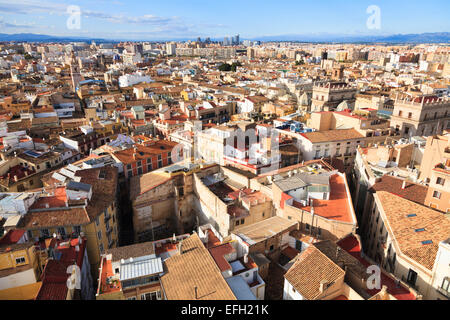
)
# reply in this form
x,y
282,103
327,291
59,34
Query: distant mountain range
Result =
x,y
32,37
436,37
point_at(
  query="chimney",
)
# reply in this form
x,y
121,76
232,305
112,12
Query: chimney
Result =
x,y
180,247
383,293
338,249
246,258
15,178
404,184
322,285
196,292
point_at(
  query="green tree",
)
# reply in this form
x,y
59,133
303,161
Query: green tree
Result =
x,y
225,67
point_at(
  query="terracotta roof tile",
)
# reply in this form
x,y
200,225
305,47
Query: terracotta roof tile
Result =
x,y
194,268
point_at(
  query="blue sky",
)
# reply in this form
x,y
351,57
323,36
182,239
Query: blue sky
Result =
x,y
176,19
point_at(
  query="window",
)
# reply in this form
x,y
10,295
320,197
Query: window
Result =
x,y
77,229
409,115
139,163
237,222
271,248
307,227
62,231
101,248
156,295
436,194
412,277
97,221
445,284
44,233
139,170
440,181
99,235
20,260
131,298
129,166
242,221
149,167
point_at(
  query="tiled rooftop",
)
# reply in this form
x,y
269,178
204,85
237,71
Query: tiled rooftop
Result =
x,y
337,207
353,247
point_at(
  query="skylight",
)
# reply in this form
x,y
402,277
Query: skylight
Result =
x,y
427,242
420,230
411,215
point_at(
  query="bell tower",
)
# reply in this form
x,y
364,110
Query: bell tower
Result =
x,y
74,71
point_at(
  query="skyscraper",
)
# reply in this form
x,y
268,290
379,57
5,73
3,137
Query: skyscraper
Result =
x,y
226,41
235,40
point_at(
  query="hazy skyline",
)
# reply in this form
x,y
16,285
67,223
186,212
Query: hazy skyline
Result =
x,y
177,19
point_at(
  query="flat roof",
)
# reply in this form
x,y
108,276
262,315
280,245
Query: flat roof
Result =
x,y
140,267
240,288
265,229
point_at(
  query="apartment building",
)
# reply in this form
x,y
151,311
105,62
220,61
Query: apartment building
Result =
x,y
239,268
326,96
437,149
438,196
133,272
67,272
421,116
366,122
340,143
403,236
142,158
86,204
19,261
327,270
192,274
